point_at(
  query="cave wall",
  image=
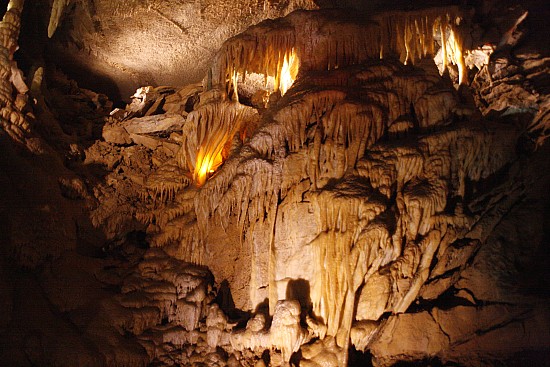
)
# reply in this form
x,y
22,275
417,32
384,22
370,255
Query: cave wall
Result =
x,y
116,47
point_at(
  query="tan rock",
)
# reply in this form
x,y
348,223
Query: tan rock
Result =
x,y
373,299
416,336
116,134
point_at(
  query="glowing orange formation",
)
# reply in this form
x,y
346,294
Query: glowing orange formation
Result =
x,y
289,71
454,50
223,124
208,135
208,162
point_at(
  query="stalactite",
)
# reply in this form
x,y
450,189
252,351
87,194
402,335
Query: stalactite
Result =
x,y
165,182
58,8
343,214
257,52
422,200
207,136
410,35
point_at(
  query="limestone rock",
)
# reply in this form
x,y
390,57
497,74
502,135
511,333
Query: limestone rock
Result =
x,y
374,297
136,130
416,336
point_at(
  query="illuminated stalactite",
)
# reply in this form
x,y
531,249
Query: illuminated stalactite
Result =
x,y
414,35
58,8
207,136
411,36
286,72
289,71
263,54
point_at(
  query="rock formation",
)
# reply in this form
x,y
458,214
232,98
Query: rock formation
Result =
x,y
338,190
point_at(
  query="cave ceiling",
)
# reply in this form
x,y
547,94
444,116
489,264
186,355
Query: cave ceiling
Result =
x,y
126,44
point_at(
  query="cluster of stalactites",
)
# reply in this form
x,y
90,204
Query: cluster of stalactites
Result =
x,y
413,36
270,54
422,179
457,155
355,242
308,40
244,189
348,248
207,137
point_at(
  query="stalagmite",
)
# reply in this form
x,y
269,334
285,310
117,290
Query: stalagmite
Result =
x,y
286,332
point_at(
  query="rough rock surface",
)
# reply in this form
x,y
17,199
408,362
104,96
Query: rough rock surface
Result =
x,y
119,46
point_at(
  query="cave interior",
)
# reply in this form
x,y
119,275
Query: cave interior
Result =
x,y
274,183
